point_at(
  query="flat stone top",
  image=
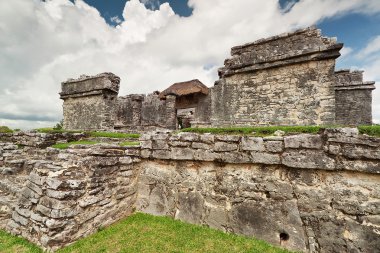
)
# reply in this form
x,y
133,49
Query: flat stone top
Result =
x,y
85,84
299,46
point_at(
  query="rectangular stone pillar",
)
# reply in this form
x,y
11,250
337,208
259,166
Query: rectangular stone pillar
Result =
x,y
90,102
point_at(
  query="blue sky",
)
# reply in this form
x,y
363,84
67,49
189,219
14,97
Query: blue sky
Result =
x,y
151,44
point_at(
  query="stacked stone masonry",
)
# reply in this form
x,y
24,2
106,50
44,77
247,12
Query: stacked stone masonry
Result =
x,y
310,193
288,79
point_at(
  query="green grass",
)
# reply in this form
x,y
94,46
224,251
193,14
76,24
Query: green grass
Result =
x,y
50,130
14,244
67,145
129,143
370,130
114,135
145,233
256,131
5,129
148,234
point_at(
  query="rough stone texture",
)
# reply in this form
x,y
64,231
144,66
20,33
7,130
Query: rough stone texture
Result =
x,y
54,197
145,112
284,80
353,98
90,102
321,191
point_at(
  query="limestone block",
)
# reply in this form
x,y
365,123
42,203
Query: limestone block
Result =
x,y
252,143
200,145
274,146
182,153
268,220
206,155
265,158
358,165
179,144
161,154
303,141
160,144
207,138
188,136
146,144
225,146
235,157
227,138
308,159
190,207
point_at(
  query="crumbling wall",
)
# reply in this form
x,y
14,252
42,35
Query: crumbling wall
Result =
x,y
282,80
90,102
156,112
66,194
353,98
310,193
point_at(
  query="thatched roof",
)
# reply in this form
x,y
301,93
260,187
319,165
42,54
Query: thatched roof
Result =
x,y
185,88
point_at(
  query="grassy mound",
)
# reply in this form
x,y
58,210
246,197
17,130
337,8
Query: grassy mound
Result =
x,y
5,129
144,233
147,234
67,145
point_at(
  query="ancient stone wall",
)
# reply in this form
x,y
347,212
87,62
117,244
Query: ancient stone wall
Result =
x,y
90,102
283,80
70,194
311,193
353,98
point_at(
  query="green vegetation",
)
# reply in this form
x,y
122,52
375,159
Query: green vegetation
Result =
x,y
256,131
129,143
67,145
13,244
5,129
50,130
114,135
146,233
370,130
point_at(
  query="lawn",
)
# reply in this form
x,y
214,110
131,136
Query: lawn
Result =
x,y
68,144
149,234
13,244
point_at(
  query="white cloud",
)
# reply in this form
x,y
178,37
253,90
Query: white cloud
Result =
x,y
372,47
346,51
116,19
51,41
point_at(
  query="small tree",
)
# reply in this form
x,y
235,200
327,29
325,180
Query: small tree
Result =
x,y
59,125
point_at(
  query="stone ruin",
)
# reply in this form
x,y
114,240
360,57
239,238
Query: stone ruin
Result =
x,y
305,192
288,79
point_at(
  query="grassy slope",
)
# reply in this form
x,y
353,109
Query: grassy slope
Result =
x,y
13,244
145,234
148,234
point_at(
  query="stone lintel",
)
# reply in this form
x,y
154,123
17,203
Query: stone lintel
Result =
x,y
362,86
90,85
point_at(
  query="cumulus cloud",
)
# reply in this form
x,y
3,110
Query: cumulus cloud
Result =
x,y
152,48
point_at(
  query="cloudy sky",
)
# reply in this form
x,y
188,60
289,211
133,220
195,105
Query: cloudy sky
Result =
x,y
151,44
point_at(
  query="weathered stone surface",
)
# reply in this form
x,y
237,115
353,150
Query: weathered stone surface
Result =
x,y
252,144
225,146
303,141
308,159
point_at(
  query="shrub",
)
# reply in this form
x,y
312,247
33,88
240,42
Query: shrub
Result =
x,y
5,129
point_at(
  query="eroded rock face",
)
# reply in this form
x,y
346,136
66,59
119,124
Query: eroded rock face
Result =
x,y
311,193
